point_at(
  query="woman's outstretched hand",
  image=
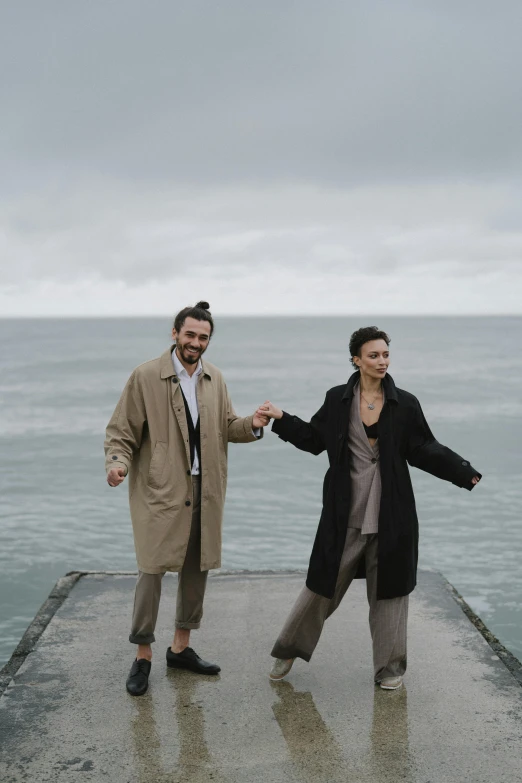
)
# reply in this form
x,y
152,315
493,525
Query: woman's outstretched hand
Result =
x,y
269,410
475,480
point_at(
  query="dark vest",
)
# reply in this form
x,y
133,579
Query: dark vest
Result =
x,y
194,434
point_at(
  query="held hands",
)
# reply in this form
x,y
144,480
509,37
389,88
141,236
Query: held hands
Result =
x,y
264,413
269,411
259,420
115,476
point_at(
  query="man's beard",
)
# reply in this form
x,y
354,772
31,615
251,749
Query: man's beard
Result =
x,y
190,358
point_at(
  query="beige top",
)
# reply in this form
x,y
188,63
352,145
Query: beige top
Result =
x,y
365,473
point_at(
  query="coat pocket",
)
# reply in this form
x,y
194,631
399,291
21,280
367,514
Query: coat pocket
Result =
x,y
158,474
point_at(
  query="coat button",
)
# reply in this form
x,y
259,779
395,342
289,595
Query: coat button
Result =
x,y
374,460
464,462
115,457
340,436
174,380
187,502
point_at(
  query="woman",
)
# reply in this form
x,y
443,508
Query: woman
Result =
x,y
368,526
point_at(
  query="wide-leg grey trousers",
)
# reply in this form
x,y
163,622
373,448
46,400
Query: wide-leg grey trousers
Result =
x,y
388,617
191,586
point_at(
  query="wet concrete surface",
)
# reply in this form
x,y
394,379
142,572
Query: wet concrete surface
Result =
x,y
67,717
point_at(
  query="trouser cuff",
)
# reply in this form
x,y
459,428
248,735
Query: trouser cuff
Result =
x,y
395,669
187,626
148,639
280,651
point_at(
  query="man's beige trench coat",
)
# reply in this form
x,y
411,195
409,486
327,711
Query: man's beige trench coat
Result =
x,y
148,437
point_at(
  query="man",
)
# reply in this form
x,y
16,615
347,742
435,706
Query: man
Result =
x,y
170,433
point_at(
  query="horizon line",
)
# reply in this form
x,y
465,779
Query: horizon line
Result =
x,y
114,316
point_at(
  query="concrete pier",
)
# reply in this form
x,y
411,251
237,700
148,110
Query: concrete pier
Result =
x,y
65,715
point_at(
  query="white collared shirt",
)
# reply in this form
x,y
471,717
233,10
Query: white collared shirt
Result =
x,y
189,385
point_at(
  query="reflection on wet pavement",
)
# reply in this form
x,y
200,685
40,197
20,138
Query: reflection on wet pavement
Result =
x,y
183,755
317,754
390,757
146,740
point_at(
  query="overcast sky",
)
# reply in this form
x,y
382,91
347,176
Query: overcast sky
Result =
x,y
272,157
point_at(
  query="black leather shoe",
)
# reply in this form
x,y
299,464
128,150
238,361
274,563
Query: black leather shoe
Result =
x,y
188,659
138,679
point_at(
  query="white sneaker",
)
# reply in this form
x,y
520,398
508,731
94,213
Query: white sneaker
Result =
x,y
390,683
281,668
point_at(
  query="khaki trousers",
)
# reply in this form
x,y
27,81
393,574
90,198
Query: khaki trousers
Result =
x,y
388,618
191,585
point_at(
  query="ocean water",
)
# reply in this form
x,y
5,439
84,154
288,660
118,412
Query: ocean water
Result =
x,y
60,380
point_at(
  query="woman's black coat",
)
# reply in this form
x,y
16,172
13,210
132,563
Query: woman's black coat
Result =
x,y
404,437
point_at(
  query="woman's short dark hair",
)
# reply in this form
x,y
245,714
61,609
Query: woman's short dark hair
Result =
x,y
364,335
200,312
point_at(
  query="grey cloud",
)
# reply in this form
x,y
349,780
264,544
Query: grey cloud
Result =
x,y
203,92
111,235
148,145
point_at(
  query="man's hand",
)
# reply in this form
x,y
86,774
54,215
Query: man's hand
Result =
x,y
269,411
475,480
259,420
115,477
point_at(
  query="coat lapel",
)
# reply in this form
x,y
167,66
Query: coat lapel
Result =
x,y
386,439
204,395
345,407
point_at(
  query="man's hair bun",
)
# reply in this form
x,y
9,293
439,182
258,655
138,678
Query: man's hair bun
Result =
x,y
200,312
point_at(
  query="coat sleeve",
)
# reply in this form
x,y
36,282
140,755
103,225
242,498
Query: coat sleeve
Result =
x,y
240,429
304,435
125,429
425,452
